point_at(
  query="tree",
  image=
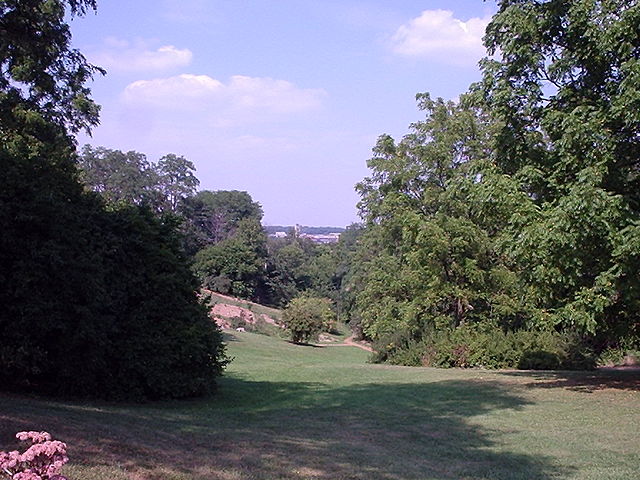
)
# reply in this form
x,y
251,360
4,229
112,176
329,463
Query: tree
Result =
x,y
426,259
129,177
39,69
306,317
518,209
345,274
155,339
215,216
564,90
235,266
96,300
176,179
120,177
296,265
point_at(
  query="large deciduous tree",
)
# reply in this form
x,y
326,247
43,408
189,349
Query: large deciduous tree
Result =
x,y
235,266
40,70
520,207
216,214
120,177
428,259
95,301
177,180
565,90
129,178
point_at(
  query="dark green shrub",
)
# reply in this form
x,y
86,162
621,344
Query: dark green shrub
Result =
x,y
539,360
95,300
485,346
101,303
305,317
398,348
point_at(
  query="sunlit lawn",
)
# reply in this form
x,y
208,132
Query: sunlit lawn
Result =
x,y
293,412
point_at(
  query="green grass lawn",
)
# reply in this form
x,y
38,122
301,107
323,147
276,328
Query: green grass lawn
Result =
x,y
293,412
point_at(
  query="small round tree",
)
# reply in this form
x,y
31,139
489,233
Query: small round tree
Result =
x,y
306,317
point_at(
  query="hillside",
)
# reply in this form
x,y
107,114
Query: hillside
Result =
x,y
232,313
291,412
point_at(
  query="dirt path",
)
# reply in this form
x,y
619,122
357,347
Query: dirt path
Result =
x,y
350,342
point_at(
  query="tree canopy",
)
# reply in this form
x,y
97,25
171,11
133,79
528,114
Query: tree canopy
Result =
x,y
39,69
96,300
129,178
306,317
516,208
564,94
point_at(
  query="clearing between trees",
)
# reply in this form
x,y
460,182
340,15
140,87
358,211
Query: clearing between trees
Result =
x,y
286,411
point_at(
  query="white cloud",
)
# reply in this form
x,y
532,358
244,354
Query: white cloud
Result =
x,y
227,101
117,55
438,35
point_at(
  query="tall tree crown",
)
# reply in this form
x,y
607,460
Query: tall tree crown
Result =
x,y
38,67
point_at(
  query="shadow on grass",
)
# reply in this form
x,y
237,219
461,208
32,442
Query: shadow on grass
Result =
x,y
587,382
266,430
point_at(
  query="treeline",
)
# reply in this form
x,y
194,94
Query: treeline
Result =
x,y
225,243
97,297
222,235
504,229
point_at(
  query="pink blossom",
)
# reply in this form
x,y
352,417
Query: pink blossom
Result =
x,y
47,449
9,460
26,475
53,470
35,437
43,460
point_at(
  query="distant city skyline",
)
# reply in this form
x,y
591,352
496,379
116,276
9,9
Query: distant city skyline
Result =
x,y
282,99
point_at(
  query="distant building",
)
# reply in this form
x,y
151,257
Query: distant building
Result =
x,y
322,238
315,234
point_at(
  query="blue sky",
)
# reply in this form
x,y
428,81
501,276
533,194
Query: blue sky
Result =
x,y
281,98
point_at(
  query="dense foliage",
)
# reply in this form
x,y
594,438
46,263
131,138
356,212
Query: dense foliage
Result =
x,y
273,271
129,178
214,216
40,71
97,300
306,317
515,211
234,266
565,97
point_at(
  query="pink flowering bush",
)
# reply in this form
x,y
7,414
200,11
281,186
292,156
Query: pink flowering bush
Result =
x,y
43,460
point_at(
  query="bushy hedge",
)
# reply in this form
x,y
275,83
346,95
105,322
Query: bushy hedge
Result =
x,y
305,317
486,346
95,302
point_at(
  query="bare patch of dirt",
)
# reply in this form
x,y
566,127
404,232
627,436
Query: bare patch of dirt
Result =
x,y
351,342
222,313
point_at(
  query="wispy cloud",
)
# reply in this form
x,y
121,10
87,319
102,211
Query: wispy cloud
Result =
x,y
241,97
117,55
438,35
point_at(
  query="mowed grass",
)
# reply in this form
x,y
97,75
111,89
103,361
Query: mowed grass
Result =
x,y
293,412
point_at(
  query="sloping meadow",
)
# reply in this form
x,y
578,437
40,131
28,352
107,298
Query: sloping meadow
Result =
x,y
299,412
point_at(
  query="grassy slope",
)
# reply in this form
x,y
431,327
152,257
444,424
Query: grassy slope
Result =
x,y
292,412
